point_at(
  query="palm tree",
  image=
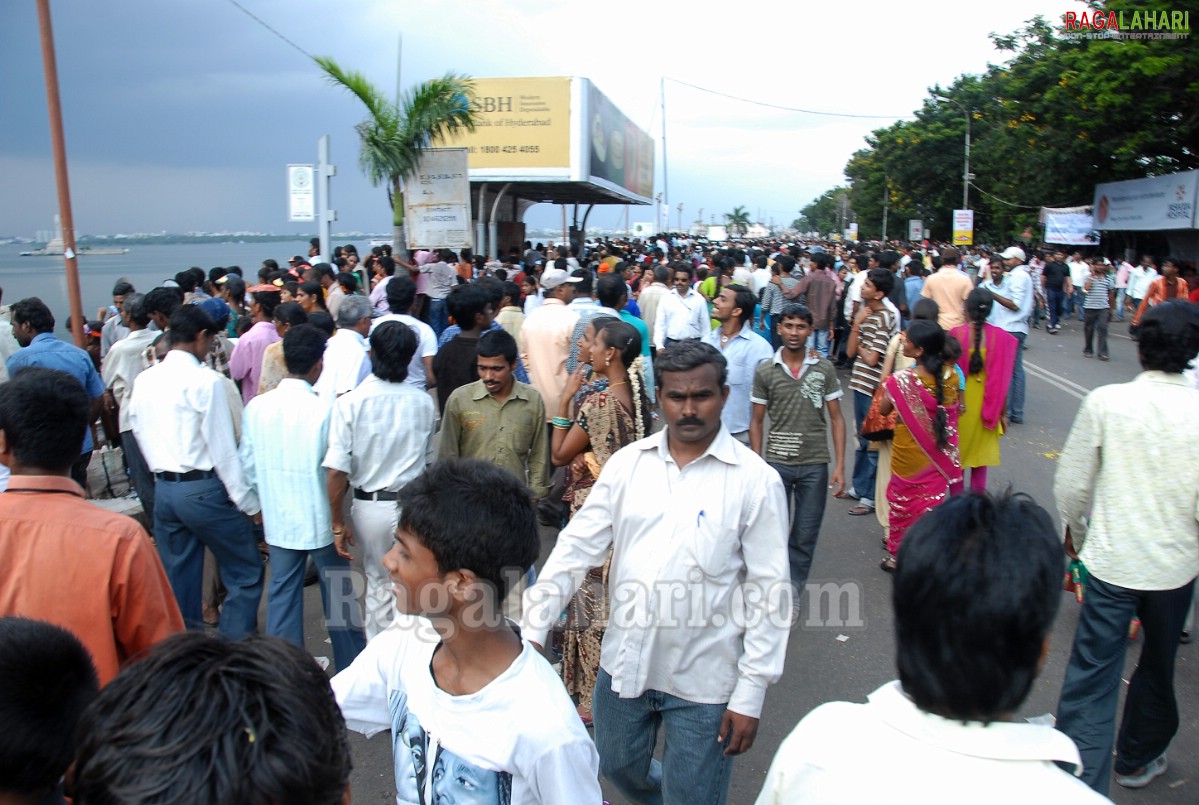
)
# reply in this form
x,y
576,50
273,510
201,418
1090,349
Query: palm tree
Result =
x,y
395,135
738,220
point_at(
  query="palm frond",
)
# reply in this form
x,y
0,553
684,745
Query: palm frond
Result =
x,y
357,85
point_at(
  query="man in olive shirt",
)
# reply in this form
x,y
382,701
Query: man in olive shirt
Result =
x,y
497,418
800,391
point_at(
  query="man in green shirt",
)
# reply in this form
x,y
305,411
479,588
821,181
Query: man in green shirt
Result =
x,y
797,388
497,418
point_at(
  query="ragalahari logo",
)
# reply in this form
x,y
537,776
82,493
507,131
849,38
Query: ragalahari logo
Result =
x,y
1125,24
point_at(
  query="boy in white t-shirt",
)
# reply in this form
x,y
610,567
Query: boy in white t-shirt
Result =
x,y
476,714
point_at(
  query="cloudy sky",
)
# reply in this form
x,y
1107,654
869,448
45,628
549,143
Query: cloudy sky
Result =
x,y
181,115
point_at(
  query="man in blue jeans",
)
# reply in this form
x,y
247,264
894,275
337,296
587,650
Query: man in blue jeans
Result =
x,y
284,440
182,417
796,388
1141,556
1011,287
698,587
871,331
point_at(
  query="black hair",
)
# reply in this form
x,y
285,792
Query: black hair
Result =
x,y
163,301
494,289
400,293
743,298
291,313
392,346
325,270
887,259
473,515
882,279
122,288
186,280
46,681
761,261
978,307
465,303
511,290
388,264
34,312
623,337
586,282
206,719
316,291
683,356
216,273
786,263
676,267
794,310
303,346
977,586
322,321
135,308
44,416
291,286
926,309
1169,337
661,274
237,290
267,301
497,343
348,282
187,323
929,336
822,260
609,289
863,262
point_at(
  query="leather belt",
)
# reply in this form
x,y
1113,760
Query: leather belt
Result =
x,y
190,475
382,494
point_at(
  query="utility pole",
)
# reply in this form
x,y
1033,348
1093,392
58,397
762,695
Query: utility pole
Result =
x,y
966,174
325,173
886,201
680,216
665,197
59,146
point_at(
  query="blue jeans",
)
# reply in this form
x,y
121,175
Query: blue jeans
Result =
x,y
1120,294
438,316
865,461
1087,708
1079,297
1055,300
139,473
190,516
818,341
808,483
693,769
285,600
1015,392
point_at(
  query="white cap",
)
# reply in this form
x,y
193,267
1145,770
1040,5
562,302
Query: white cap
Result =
x,y
1012,251
553,277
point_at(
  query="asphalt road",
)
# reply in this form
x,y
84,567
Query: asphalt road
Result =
x,y
841,661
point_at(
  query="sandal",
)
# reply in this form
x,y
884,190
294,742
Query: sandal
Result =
x,y
584,715
888,564
843,495
860,510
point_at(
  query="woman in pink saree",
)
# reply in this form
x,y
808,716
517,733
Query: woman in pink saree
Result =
x,y
924,451
988,356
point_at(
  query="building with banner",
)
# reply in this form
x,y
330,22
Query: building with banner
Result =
x,y
1155,215
549,140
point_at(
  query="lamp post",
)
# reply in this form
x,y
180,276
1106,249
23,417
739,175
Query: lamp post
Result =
x,y
966,175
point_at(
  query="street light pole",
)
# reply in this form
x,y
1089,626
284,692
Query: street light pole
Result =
x,y
966,175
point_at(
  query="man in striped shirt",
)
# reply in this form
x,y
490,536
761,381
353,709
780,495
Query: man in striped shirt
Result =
x,y
1099,290
868,338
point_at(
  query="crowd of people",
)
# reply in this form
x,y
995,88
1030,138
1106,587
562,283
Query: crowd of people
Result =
x,y
668,406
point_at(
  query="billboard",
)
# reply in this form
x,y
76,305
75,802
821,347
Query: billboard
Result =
x,y
915,229
1159,202
619,153
437,201
963,227
1069,227
301,193
523,123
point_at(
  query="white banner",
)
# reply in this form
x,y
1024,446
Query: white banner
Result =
x,y
1069,228
1159,202
301,193
437,202
915,229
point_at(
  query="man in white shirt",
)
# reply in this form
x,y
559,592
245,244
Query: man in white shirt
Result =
x,y
442,277
967,657
119,370
651,296
743,349
401,293
114,328
347,360
284,438
545,337
699,588
1141,555
683,313
1010,285
181,416
380,438
1140,277
1079,271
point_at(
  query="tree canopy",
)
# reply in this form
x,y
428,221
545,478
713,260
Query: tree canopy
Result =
x,y
1058,116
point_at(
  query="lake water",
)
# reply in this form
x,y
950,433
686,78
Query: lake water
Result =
x,y
145,266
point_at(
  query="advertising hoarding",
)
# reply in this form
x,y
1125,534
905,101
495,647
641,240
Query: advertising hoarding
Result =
x,y
1159,202
437,201
915,229
523,123
619,152
963,227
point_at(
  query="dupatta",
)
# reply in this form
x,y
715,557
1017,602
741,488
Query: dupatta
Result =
x,y
999,362
918,410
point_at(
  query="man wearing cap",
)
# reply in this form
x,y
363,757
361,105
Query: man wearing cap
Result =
x,y
1010,285
545,336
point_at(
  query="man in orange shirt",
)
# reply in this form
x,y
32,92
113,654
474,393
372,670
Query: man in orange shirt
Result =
x,y
948,287
67,561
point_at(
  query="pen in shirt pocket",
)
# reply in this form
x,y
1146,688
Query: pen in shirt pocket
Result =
x,y
699,518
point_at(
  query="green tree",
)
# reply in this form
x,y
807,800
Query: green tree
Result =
x,y
395,134
738,220
826,213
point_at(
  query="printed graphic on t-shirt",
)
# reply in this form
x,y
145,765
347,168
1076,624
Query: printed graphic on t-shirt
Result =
x,y
812,388
427,774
